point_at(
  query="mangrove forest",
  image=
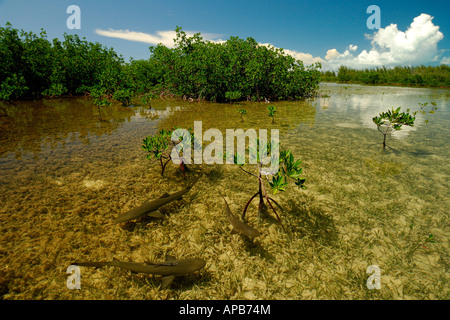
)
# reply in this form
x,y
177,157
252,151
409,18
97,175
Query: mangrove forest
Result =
x,y
33,67
417,76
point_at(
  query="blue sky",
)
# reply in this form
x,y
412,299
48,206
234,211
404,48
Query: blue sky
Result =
x,y
332,32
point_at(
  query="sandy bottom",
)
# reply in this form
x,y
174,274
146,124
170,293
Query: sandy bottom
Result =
x,y
362,207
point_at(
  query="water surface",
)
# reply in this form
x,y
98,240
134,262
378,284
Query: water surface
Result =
x,y
66,173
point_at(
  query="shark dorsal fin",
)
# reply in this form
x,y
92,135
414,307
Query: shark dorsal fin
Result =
x,y
170,261
170,258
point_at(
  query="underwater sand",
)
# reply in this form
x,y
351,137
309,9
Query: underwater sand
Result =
x,y
65,175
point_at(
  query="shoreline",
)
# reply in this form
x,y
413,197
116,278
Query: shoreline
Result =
x,y
387,84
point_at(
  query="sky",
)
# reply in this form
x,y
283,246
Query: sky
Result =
x,y
331,32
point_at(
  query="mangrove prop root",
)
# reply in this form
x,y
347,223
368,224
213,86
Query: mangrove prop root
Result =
x,y
278,205
163,165
268,201
248,203
262,194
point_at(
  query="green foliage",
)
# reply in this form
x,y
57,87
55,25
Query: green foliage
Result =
x,y
32,66
432,76
272,110
233,95
12,65
288,168
278,183
328,76
157,146
124,96
423,107
242,112
430,239
291,168
393,120
147,97
142,75
100,98
233,70
13,87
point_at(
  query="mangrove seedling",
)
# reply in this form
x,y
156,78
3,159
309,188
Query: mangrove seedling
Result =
x,y
157,147
100,99
242,112
272,110
423,107
288,168
393,120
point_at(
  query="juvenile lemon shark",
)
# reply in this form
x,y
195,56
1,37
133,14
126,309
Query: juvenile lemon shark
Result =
x,y
151,207
169,269
238,225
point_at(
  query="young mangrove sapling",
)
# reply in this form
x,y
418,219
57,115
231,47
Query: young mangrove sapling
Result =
x,y
157,146
272,110
242,112
393,120
288,168
100,99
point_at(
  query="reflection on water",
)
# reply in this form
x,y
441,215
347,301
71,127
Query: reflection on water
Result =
x,y
64,175
361,103
42,137
226,116
32,126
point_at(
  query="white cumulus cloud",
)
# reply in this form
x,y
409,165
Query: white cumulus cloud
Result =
x,y
352,47
307,58
164,37
331,54
167,38
391,46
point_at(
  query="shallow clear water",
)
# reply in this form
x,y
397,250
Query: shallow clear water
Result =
x,y
64,175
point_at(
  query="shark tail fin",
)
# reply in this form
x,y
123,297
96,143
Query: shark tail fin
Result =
x,y
192,183
167,281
